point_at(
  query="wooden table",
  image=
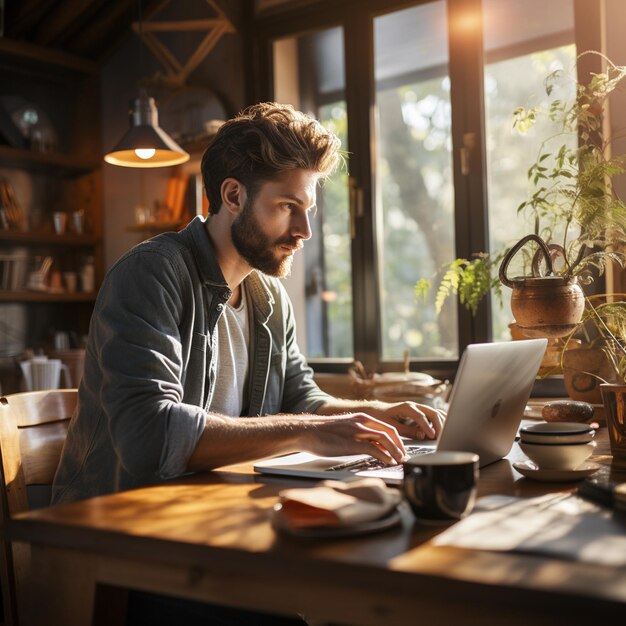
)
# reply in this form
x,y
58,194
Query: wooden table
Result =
x,y
209,537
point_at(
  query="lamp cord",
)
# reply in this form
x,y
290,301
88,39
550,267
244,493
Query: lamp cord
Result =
x,y
141,64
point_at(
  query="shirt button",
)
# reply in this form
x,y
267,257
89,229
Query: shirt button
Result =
x,y
226,295
220,307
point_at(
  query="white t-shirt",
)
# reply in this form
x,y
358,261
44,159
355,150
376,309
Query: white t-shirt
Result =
x,y
233,337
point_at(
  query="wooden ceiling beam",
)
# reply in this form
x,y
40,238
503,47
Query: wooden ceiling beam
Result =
x,y
182,25
112,20
64,18
22,17
25,50
124,27
214,27
207,44
164,56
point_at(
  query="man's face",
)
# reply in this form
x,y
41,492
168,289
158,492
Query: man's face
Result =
x,y
274,223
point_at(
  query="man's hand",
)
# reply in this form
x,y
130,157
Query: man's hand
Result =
x,y
356,433
413,420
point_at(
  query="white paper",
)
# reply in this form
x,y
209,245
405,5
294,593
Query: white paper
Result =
x,y
556,525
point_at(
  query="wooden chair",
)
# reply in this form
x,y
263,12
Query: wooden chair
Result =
x,y
33,428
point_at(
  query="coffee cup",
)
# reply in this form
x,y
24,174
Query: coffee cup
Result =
x,y
441,487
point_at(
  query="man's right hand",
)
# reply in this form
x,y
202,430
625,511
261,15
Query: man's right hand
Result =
x,y
227,440
355,433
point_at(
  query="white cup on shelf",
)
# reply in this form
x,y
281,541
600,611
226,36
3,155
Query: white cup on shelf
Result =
x,y
71,281
59,219
44,373
78,221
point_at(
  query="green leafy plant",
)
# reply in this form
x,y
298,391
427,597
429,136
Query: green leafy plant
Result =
x,y
604,326
573,205
471,280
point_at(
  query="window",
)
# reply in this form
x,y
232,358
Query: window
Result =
x,y
309,73
518,43
414,190
409,86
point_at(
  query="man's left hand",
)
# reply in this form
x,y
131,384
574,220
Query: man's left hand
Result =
x,y
413,420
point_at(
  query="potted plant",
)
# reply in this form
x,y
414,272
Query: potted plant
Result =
x,y
594,353
605,361
579,222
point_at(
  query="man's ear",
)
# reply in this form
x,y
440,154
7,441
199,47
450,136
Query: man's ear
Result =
x,y
233,195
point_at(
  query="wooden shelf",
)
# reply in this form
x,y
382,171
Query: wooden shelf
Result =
x,y
47,238
50,162
44,296
67,90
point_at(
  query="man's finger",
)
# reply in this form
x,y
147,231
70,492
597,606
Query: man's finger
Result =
x,y
383,442
380,426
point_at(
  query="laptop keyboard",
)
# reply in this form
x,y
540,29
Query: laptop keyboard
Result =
x,y
374,464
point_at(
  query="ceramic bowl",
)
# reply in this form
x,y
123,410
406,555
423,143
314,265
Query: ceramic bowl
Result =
x,y
554,433
565,456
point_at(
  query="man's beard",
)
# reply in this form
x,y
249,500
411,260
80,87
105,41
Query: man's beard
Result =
x,y
256,247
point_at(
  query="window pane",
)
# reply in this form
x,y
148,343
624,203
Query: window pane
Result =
x,y
529,39
414,202
309,73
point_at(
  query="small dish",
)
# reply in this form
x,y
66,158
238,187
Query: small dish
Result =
x,y
332,532
557,433
414,378
530,470
563,456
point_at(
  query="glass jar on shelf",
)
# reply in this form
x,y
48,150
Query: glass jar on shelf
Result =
x,y
88,275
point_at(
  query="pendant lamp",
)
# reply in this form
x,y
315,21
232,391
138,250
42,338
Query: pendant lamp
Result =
x,y
146,144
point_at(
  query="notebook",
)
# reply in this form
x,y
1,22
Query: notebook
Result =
x,y
493,384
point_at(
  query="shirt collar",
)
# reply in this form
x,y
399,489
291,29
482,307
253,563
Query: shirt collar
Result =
x,y
211,273
202,248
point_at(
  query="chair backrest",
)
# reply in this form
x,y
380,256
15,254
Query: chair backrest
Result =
x,y
33,428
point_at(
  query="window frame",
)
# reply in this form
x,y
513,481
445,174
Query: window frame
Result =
x,y
466,59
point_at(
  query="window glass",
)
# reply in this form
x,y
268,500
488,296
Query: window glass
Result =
x,y
413,210
309,73
525,40
414,194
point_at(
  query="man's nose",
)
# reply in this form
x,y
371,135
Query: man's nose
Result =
x,y
301,227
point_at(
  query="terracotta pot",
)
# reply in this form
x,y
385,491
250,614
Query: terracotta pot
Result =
x,y
614,398
543,306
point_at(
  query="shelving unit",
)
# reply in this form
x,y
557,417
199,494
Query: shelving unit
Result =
x,y
46,296
46,162
65,177
151,228
47,237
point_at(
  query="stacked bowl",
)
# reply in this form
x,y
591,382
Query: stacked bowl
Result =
x,y
557,445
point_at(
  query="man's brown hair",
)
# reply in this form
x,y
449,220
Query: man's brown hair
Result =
x,y
263,141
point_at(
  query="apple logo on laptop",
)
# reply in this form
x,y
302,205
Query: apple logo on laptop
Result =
x,y
496,408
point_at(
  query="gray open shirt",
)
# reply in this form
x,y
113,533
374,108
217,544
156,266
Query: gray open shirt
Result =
x,y
150,365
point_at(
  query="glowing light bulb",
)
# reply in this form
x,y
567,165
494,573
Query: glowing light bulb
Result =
x,y
145,153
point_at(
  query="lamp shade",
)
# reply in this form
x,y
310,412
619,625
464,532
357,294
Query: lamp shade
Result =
x,y
146,144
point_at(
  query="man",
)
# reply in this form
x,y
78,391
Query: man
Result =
x,y
192,361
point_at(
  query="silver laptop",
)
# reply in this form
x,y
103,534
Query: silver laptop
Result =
x,y
487,403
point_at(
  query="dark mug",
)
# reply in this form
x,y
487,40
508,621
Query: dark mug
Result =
x,y
441,486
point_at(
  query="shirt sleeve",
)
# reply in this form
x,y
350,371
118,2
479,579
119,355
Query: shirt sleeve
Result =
x,y
177,448
136,326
